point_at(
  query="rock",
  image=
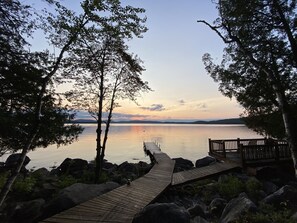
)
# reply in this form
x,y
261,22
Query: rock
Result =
x,y
275,175
109,167
269,187
198,210
75,167
162,213
294,217
76,194
126,167
12,160
217,206
237,207
182,164
144,167
28,211
46,191
287,194
205,161
199,219
41,173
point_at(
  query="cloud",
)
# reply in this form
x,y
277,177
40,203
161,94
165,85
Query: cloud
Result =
x,y
201,106
154,107
181,102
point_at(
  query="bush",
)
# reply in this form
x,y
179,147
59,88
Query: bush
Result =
x,y
66,181
253,185
3,178
230,187
272,216
24,186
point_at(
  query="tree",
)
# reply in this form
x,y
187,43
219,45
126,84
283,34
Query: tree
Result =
x,y
109,73
259,63
31,115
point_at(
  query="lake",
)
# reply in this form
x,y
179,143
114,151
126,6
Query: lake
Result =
x,y
125,142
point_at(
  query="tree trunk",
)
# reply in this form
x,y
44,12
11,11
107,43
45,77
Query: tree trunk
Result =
x,y
290,127
6,188
99,160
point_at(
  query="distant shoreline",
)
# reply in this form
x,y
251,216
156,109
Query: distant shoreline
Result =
x,y
232,121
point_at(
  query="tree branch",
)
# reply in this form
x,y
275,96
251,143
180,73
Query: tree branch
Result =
x,y
215,28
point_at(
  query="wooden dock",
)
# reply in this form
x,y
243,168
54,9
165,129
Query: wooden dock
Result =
x,y
251,152
121,204
202,173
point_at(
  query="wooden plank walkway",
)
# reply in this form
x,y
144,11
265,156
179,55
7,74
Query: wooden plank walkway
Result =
x,y
121,204
202,172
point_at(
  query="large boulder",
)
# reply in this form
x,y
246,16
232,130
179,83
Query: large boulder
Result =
x,y
236,208
217,206
286,194
128,168
108,166
143,167
269,187
28,211
276,175
204,161
162,213
76,194
198,210
74,167
41,173
182,164
199,219
13,159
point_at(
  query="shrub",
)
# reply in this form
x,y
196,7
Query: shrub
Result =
x,y
3,178
24,186
253,185
230,187
66,181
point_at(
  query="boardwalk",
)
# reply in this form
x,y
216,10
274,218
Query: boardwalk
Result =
x,y
121,204
202,173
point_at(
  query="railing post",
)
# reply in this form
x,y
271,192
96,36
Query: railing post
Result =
x,y
224,149
242,155
276,152
238,144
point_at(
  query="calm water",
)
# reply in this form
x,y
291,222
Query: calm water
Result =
x,y
125,142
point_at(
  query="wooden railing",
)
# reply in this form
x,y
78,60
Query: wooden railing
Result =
x,y
250,150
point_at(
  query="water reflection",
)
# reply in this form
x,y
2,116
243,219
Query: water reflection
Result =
x,y
126,140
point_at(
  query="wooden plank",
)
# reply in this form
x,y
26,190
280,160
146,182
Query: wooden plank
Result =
x,y
202,172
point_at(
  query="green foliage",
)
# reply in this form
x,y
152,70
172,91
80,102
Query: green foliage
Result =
x,y
103,177
230,187
206,189
259,62
66,181
24,186
253,185
3,178
268,214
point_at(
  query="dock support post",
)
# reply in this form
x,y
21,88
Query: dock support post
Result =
x,y
209,146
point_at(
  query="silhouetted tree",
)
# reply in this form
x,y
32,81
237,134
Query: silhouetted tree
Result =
x,y
109,72
260,59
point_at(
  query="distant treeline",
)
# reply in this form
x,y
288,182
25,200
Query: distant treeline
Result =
x,y
221,121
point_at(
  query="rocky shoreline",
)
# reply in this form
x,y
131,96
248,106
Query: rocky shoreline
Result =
x,y
269,196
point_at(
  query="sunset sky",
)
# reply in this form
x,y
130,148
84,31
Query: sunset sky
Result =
x,y
172,51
